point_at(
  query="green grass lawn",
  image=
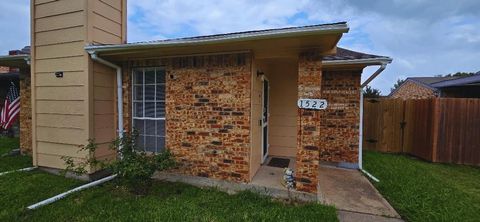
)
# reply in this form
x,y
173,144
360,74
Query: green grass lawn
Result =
x,y
167,202
7,144
422,191
12,162
173,202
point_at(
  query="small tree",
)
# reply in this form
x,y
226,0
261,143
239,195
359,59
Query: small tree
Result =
x,y
397,84
134,168
460,74
370,92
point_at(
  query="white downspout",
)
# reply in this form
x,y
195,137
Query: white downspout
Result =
x,y
95,57
20,170
360,139
63,195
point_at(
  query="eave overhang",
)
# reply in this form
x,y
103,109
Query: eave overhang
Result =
x,y
323,37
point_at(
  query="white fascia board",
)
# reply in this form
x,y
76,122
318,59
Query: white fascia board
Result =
x,y
375,61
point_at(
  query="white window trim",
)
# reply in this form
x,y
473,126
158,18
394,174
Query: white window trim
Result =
x,y
143,69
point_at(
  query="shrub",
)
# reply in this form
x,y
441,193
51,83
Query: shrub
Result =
x,y
134,168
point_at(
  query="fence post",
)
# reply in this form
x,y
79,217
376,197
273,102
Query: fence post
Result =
x,y
435,127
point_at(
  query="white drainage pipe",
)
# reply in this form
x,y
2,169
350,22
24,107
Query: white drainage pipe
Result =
x,y
370,175
20,170
63,195
360,137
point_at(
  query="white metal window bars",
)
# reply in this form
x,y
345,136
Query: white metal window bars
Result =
x,y
143,114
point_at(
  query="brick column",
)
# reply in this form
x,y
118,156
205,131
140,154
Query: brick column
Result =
x,y
25,112
308,135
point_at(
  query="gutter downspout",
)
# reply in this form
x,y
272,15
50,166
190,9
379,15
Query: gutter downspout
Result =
x,y
360,143
95,57
63,195
20,170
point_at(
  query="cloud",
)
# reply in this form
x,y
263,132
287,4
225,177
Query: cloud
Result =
x,y
424,37
15,25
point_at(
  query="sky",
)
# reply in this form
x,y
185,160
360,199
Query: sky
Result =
x,y
424,37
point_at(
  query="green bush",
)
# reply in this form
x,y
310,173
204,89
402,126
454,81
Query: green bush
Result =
x,y
134,167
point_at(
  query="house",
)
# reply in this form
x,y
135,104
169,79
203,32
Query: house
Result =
x,y
432,87
222,104
10,73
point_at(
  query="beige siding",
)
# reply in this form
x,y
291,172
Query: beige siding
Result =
x,y
58,150
68,93
65,35
61,135
107,27
61,121
68,111
53,161
67,64
55,8
77,78
60,107
64,21
256,133
104,108
282,75
61,50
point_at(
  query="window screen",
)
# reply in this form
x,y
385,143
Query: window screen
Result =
x,y
149,108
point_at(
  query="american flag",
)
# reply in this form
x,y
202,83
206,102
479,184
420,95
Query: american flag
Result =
x,y
11,108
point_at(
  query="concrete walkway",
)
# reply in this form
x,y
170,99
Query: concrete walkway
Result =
x,y
346,216
353,195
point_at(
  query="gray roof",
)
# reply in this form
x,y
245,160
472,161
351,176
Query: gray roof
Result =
x,y
350,57
346,54
431,80
469,80
24,51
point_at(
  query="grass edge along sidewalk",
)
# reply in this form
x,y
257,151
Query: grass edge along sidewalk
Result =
x,y
423,191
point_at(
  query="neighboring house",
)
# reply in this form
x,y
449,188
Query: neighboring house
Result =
x,y
431,87
18,72
222,104
466,87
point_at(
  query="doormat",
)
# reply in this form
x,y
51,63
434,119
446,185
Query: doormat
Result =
x,y
279,162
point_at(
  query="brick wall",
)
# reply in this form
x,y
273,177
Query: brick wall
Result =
x,y
308,138
208,113
4,69
329,135
25,114
340,123
411,90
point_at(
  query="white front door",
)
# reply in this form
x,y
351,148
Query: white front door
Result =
x,y
265,119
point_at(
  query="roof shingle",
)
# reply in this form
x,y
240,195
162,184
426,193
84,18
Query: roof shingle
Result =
x,y
346,54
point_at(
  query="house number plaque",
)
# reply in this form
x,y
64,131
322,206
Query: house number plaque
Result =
x,y
317,104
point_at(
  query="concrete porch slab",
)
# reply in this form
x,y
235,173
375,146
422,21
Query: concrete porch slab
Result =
x,y
233,187
346,216
272,176
349,190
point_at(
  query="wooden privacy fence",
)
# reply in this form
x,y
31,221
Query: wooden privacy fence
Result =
x,y
439,130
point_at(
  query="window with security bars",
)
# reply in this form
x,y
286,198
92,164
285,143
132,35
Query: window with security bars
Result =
x,y
149,108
